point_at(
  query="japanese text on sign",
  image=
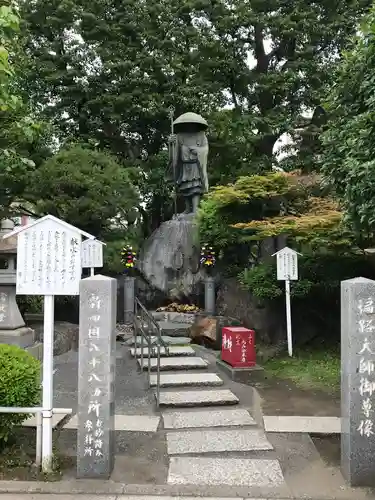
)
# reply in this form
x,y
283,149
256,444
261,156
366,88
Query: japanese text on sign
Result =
x,y
287,264
227,342
48,260
366,367
93,444
92,253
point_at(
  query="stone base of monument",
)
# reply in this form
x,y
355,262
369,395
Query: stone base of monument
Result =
x,y
241,374
22,337
36,350
169,258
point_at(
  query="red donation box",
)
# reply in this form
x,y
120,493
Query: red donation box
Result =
x,y
238,346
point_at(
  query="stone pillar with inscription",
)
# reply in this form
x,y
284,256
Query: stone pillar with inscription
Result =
x,y
209,295
97,361
129,294
358,381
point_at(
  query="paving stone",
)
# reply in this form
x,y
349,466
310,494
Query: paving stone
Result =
x,y
313,425
187,379
165,338
208,418
157,497
213,441
174,329
232,471
130,423
56,419
198,398
139,341
172,351
180,363
176,340
173,317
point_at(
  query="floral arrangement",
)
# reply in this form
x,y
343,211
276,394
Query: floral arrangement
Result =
x,y
180,308
128,257
208,258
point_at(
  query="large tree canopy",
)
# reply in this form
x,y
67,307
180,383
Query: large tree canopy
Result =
x,y
109,70
349,142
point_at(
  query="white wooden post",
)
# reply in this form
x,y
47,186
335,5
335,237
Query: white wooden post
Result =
x,y
48,328
287,270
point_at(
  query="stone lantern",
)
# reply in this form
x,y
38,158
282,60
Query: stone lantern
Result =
x,y
12,326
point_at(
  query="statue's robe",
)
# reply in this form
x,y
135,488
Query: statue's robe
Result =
x,y
190,163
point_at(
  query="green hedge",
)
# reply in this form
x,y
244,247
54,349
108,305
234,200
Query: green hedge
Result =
x,y
19,386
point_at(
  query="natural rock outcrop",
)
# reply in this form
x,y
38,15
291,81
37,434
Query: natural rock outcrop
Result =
x,y
169,259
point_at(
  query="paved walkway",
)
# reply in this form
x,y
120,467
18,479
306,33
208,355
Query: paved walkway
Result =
x,y
208,439
41,496
207,442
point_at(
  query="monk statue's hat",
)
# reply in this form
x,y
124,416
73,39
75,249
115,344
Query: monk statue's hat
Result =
x,y
188,118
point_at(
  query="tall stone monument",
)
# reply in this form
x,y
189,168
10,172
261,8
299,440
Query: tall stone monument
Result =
x,y
358,381
169,259
96,377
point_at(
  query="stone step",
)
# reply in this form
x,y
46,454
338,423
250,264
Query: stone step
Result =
x,y
173,329
180,363
173,317
220,397
176,340
207,418
172,351
165,338
216,441
259,473
187,379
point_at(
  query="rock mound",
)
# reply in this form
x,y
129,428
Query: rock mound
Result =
x,y
169,259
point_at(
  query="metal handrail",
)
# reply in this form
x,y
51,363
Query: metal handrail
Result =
x,y
141,317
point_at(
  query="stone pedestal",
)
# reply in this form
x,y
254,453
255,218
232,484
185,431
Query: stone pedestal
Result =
x,y
129,294
358,381
96,377
209,295
12,326
169,258
22,337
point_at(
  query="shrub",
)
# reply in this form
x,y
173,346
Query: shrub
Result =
x,y
19,385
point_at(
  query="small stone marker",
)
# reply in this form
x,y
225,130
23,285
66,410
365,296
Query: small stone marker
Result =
x,y
129,294
96,377
209,295
358,381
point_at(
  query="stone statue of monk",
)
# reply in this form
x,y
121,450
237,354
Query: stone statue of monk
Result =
x,y
188,152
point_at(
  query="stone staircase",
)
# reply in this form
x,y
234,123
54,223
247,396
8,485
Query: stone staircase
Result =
x,y
208,442
177,387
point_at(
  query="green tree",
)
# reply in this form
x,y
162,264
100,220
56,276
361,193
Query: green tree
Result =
x,y
87,188
349,147
113,68
23,141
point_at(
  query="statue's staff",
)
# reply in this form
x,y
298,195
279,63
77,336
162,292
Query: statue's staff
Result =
x,y
172,155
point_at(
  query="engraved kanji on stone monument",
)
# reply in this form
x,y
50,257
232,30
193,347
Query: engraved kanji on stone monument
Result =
x,y
97,357
358,381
